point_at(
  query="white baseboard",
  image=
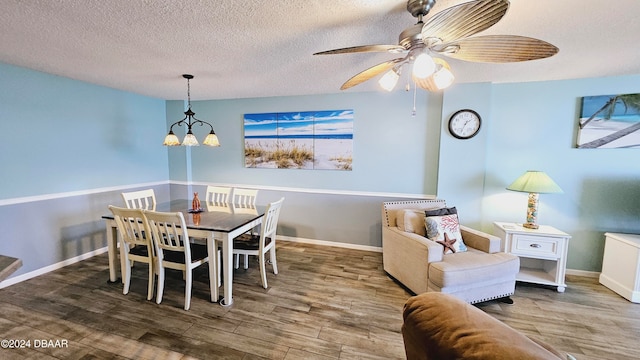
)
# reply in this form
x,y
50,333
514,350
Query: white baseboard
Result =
x,y
589,274
330,243
20,278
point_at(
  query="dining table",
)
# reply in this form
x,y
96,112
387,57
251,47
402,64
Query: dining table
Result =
x,y
215,223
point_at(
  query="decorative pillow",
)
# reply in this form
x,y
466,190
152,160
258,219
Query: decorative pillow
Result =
x,y
411,220
445,230
441,211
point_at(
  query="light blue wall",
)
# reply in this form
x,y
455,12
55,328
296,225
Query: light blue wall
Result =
x,y
462,162
392,151
533,126
61,135
66,147
104,138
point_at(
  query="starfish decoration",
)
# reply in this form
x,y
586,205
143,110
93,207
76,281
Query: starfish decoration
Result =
x,y
447,243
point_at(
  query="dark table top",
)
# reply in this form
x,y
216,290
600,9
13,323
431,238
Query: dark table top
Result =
x,y
222,218
8,265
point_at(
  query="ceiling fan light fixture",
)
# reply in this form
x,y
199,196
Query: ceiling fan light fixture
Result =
x,y
389,80
443,78
449,33
423,66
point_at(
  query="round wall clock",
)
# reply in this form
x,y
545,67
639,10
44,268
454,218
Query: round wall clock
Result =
x,y
464,124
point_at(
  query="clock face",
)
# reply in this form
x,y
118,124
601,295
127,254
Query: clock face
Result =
x,y
464,124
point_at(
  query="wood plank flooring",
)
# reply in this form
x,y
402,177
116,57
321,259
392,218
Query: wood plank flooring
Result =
x,y
326,303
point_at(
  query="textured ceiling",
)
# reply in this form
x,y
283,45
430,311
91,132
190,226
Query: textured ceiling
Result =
x,y
261,48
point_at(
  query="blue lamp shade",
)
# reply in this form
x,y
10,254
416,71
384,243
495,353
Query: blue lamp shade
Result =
x,y
534,183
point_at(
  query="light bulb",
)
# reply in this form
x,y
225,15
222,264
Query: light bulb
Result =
x,y
171,140
211,140
389,80
190,139
423,66
443,78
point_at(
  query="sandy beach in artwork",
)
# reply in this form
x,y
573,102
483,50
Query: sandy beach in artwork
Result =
x,y
598,129
330,154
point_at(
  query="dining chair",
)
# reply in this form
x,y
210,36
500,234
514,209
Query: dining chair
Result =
x,y
244,197
142,199
244,201
218,195
173,250
265,243
135,245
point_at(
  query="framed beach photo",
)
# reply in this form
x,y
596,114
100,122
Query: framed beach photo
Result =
x,y
609,121
318,140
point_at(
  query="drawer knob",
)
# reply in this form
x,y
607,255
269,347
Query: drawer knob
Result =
x,y
535,246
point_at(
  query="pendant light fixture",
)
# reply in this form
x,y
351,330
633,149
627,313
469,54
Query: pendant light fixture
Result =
x,y
189,120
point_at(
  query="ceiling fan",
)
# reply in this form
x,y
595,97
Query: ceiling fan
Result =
x,y
447,33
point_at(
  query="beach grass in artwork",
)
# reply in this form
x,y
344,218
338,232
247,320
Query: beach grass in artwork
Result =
x,y
609,121
300,140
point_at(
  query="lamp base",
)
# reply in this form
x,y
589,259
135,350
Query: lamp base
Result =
x,y
530,225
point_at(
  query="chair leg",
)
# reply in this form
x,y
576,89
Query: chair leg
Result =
x,y
236,261
151,282
219,266
272,258
187,289
246,261
263,270
160,285
126,276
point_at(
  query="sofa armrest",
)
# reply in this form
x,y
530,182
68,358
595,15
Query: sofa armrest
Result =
x,y
480,240
442,326
406,257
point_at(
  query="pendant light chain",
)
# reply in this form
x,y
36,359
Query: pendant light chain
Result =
x,y
189,93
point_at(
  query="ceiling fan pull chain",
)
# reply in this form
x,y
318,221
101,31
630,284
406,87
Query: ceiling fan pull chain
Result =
x,y
415,90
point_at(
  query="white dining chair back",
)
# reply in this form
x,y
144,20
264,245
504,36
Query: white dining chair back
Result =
x,y
135,245
244,202
244,197
174,251
266,242
142,199
218,195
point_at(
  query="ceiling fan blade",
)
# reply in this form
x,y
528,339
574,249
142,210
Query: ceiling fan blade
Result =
x,y
369,73
464,20
364,48
497,49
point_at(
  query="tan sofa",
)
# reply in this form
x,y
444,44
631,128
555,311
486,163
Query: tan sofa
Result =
x,y
482,273
442,327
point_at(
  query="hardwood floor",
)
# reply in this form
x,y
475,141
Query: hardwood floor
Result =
x,y
326,303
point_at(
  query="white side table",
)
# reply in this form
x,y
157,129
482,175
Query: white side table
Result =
x,y
621,265
542,252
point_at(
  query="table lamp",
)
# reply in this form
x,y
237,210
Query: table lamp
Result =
x,y
534,183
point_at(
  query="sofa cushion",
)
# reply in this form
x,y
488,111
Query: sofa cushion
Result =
x,y
445,230
411,220
472,266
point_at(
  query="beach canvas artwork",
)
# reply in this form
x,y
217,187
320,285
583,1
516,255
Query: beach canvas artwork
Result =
x,y
299,140
609,121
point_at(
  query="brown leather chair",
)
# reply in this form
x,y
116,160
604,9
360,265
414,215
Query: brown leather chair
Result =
x,y
442,327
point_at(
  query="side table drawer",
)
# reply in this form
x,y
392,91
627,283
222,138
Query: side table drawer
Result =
x,y
534,246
